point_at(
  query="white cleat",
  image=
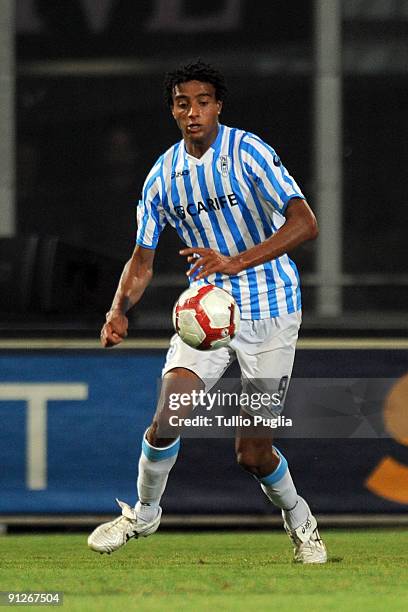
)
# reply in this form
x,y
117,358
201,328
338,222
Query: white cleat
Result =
x,y
110,536
308,547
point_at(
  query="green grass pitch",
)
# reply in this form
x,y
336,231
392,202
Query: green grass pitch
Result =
x,y
230,571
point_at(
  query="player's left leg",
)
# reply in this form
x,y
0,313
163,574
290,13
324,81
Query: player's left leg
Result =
x,y
160,448
258,457
264,349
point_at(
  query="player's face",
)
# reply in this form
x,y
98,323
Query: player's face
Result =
x,y
196,110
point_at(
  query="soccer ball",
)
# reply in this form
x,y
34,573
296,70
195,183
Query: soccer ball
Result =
x,y
206,317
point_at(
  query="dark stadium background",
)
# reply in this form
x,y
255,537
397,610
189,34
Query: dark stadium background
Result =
x,y
89,121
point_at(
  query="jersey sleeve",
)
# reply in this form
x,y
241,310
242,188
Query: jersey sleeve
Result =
x,y
263,165
151,218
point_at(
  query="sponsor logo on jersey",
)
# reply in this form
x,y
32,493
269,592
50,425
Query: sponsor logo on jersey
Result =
x,y
276,160
179,173
209,205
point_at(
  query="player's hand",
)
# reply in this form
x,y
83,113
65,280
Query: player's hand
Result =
x,y
115,329
208,261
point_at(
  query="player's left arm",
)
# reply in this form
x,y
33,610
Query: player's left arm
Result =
x,y
300,226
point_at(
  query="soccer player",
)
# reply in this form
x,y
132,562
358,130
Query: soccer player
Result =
x,y
239,211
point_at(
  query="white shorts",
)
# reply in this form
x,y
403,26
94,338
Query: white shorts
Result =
x,y
265,350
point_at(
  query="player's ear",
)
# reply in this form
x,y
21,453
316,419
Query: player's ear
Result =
x,y
219,104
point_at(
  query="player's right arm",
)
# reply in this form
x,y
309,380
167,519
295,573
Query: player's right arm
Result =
x,y
138,271
135,277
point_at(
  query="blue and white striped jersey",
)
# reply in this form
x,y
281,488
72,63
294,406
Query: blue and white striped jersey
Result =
x,y
230,199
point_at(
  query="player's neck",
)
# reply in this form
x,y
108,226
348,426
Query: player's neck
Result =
x,y
198,148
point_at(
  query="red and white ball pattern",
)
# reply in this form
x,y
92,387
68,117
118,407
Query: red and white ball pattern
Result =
x,y
206,317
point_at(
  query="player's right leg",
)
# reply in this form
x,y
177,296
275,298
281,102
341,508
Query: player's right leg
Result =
x,y
184,371
159,452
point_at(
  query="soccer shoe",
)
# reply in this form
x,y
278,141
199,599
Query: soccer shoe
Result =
x,y
110,536
308,547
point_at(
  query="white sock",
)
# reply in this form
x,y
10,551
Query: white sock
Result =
x,y
298,515
154,467
280,489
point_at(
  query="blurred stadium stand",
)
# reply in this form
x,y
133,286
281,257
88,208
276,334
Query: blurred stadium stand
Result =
x,y
53,277
90,122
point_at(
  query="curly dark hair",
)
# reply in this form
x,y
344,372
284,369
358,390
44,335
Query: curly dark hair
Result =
x,y
195,71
